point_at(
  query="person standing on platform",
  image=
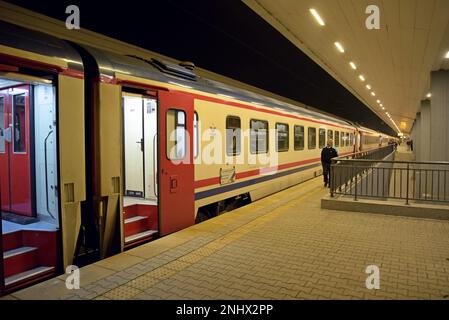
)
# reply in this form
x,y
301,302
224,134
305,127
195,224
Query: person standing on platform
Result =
x,y
327,154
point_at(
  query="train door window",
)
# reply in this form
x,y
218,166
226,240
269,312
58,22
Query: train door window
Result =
x,y
299,137
195,135
176,134
351,139
2,126
311,138
233,135
330,135
19,123
258,136
282,137
337,138
322,138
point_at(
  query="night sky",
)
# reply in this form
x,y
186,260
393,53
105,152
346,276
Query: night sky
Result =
x,y
223,36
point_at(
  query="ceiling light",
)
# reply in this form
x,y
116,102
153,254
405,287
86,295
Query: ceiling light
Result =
x,y
373,94
378,101
317,17
368,87
429,95
447,55
361,77
383,108
353,66
339,47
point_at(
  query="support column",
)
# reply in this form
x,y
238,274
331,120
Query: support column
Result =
x,y
417,137
425,131
439,117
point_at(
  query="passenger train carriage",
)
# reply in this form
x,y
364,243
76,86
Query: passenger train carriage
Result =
x,y
101,152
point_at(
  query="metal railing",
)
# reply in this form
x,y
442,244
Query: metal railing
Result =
x,y
388,179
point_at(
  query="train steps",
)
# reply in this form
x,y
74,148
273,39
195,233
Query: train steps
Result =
x,y
140,222
25,260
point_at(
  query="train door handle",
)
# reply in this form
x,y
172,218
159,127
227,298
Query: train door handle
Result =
x,y
141,144
173,184
7,134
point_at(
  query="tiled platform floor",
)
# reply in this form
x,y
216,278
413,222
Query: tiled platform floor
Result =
x,y
280,247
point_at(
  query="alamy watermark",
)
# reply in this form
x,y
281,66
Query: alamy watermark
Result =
x,y
73,279
73,20
373,280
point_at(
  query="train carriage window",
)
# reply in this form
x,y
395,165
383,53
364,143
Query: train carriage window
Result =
x,y
322,138
342,136
337,138
347,139
351,139
233,135
311,138
282,137
19,123
330,135
2,127
176,134
258,136
299,137
195,135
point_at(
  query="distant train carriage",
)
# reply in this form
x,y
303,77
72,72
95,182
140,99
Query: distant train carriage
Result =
x,y
101,152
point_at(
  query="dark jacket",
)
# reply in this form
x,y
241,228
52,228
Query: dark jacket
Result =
x,y
327,154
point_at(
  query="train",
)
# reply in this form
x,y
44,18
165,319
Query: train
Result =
x,y
101,152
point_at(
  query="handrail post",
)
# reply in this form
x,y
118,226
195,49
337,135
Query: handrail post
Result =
x,y
331,175
408,182
355,189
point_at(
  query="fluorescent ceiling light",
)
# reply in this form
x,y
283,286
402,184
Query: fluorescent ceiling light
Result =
x,y
339,47
353,66
317,17
361,77
368,87
373,94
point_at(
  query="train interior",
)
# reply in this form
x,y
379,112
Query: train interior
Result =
x,y
28,179
140,201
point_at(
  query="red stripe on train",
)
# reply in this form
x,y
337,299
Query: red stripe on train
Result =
x,y
242,175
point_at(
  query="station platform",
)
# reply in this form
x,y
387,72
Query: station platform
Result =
x,y
280,247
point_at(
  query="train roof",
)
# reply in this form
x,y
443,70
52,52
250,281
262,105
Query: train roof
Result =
x,y
110,63
17,37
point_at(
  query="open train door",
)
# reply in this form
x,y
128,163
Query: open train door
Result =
x,y
176,169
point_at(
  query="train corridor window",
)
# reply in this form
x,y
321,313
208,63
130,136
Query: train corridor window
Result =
x,y
330,135
195,135
299,137
233,135
311,138
19,123
176,134
258,136
322,138
337,138
282,137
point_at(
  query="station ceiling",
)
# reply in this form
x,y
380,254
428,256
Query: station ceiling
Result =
x,y
395,60
246,41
